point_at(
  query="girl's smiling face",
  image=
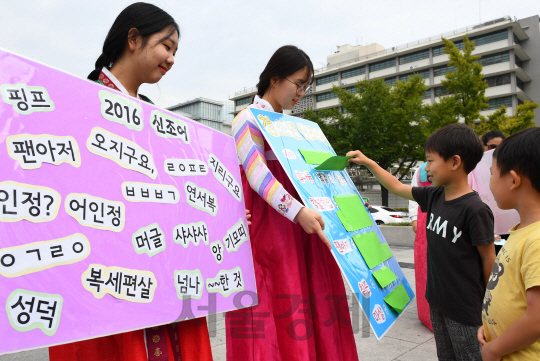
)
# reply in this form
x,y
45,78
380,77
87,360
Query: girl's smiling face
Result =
x,y
285,91
156,58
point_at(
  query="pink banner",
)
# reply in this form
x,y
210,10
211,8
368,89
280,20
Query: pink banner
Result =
x,y
115,215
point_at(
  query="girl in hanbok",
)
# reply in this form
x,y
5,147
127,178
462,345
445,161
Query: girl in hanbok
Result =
x,y
302,311
140,48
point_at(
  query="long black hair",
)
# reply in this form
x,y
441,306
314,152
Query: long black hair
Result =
x,y
286,60
146,18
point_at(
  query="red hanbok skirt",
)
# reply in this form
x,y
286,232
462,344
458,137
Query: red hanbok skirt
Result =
x,y
302,311
420,269
186,341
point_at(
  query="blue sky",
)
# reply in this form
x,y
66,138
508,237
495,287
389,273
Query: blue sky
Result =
x,y
225,44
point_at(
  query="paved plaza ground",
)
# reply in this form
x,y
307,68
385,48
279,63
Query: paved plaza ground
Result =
x,y
408,339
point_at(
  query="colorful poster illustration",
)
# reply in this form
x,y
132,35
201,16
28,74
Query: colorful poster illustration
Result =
x,y
358,245
110,207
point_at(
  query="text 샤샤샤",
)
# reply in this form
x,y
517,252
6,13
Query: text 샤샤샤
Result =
x,y
192,232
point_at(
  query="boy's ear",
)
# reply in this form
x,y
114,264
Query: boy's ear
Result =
x,y
455,162
516,180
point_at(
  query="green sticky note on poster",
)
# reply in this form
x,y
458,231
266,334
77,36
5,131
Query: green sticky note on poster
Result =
x,y
344,221
398,298
352,208
314,156
384,276
387,250
370,248
334,163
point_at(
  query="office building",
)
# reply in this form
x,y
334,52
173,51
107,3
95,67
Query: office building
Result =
x,y
205,111
510,51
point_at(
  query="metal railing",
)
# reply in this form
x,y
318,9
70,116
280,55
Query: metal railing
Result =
x,y
246,90
417,42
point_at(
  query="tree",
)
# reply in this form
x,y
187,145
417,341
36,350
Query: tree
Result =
x,y
466,83
440,114
385,122
499,120
466,88
467,99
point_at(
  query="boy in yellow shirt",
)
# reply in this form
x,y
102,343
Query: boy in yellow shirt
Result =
x,y
511,310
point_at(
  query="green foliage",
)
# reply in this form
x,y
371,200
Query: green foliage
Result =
x,y
499,120
327,120
522,119
440,114
398,224
466,84
467,98
386,123
390,123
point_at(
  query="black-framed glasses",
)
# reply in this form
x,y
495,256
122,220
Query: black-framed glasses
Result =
x,y
300,88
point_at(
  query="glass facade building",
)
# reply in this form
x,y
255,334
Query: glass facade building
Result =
x,y
508,50
205,111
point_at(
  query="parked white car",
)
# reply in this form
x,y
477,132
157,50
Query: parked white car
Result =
x,y
384,215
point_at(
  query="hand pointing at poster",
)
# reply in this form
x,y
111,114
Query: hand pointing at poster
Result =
x,y
357,157
312,222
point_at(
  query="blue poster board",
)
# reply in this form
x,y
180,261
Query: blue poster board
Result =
x,y
288,135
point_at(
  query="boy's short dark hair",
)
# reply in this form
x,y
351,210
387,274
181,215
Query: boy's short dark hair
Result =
x,y
456,139
520,152
487,136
